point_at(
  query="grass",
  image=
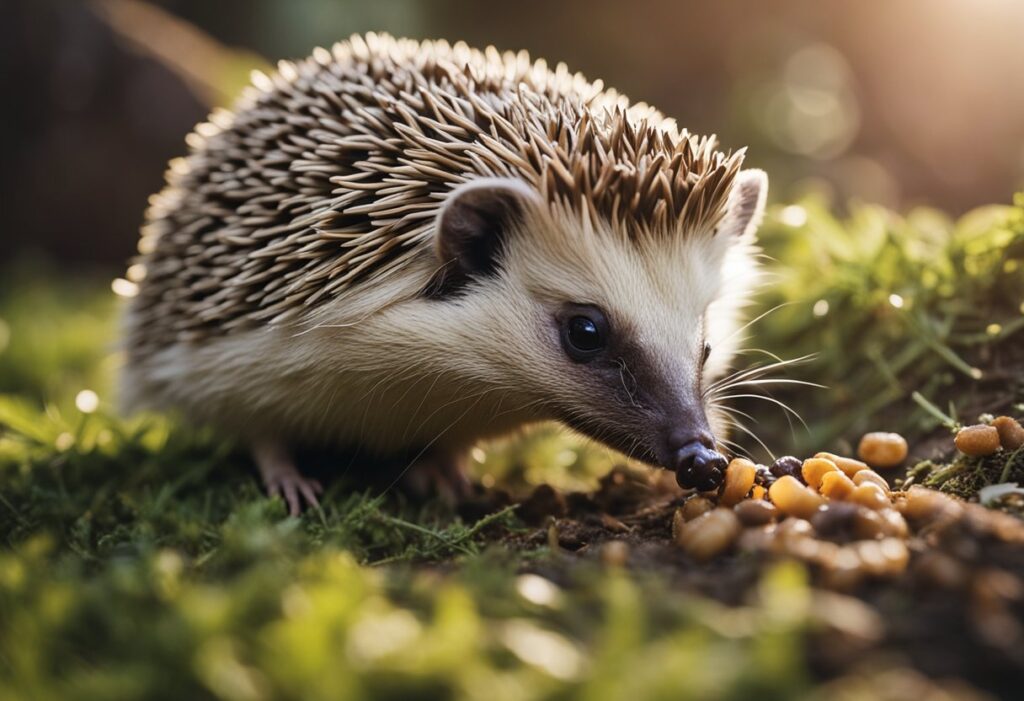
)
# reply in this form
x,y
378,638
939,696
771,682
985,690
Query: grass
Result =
x,y
140,560
892,306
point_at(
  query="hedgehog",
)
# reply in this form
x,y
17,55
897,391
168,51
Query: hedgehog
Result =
x,y
409,247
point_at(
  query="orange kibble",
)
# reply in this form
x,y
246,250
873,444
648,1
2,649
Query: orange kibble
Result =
x,y
849,466
871,496
872,477
814,469
793,498
836,485
739,478
882,450
1011,433
758,492
977,440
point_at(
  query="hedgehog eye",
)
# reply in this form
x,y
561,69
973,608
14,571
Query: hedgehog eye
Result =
x,y
584,333
707,353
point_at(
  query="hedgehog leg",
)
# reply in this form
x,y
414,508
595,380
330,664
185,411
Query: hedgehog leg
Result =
x,y
441,474
282,478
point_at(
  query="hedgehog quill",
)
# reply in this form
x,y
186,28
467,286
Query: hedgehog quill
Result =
x,y
412,246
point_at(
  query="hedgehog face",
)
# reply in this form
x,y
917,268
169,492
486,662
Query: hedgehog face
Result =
x,y
615,336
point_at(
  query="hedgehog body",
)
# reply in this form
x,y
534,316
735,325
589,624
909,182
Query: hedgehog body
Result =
x,y
410,246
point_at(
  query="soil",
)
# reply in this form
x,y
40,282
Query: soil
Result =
x,y
956,612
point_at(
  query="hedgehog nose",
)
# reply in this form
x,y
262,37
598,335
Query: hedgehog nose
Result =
x,y
698,465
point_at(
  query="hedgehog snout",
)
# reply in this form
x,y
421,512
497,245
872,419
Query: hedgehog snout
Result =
x,y
696,462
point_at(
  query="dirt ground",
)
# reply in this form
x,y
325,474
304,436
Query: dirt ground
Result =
x,y
956,611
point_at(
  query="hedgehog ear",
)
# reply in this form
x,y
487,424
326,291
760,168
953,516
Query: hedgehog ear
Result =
x,y
745,206
472,227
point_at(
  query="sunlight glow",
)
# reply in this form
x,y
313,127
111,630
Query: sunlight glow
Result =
x,y
124,288
793,215
87,401
544,649
537,590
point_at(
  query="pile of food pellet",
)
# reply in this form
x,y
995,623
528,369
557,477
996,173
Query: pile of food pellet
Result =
x,y
841,516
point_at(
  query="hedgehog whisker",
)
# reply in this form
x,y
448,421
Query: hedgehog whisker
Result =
x,y
756,371
623,371
734,447
754,321
449,403
742,427
434,440
734,410
771,400
419,406
770,381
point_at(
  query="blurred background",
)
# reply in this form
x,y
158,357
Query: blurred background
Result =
x,y
893,133
897,103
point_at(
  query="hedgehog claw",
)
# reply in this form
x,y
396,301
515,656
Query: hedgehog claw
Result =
x,y
282,479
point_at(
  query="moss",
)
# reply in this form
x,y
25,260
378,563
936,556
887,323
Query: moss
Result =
x,y
965,476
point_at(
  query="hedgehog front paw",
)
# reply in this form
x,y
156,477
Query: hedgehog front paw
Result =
x,y
282,479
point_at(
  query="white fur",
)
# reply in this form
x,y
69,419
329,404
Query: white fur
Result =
x,y
385,367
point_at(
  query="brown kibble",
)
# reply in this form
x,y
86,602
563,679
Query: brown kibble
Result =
x,y
868,524
883,557
845,521
873,477
849,466
756,539
835,520
794,528
814,469
845,570
922,505
836,485
871,556
1011,433
755,513
793,498
871,496
977,440
893,523
882,450
896,554
940,569
810,549
696,506
739,478
709,534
